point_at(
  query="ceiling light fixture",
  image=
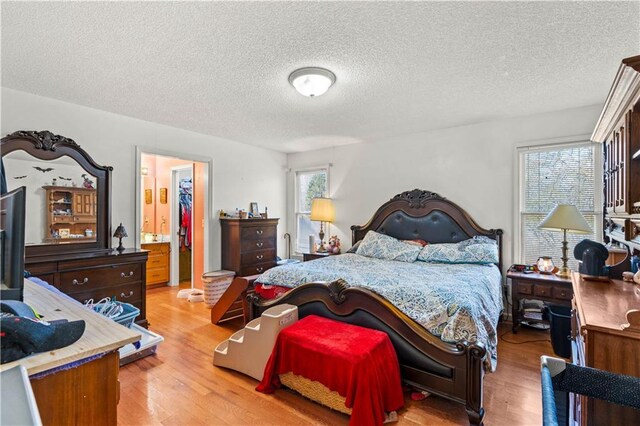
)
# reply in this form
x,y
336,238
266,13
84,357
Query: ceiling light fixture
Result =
x,y
312,81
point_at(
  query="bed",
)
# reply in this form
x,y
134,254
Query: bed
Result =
x,y
446,357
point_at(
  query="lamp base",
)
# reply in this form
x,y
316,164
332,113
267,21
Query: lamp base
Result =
x,y
120,247
564,272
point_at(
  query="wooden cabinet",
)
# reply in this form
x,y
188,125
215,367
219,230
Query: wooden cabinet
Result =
x,y
119,275
249,246
158,264
618,129
71,214
600,341
547,288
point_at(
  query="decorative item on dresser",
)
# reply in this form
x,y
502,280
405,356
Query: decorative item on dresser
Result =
x,y
603,340
84,268
618,129
158,266
544,287
249,247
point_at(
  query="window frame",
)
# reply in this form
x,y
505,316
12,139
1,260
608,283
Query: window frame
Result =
x,y
296,194
558,144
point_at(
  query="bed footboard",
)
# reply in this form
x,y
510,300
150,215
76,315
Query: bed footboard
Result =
x,y
454,371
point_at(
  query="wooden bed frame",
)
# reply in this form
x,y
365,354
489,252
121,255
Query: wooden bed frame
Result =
x,y
451,370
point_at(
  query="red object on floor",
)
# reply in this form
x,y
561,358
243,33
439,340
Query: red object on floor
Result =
x,y
359,363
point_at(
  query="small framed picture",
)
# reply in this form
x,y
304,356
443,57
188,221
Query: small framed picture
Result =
x,y
64,232
253,208
163,195
148,196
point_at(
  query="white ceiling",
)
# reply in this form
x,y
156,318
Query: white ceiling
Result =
x,y
221,68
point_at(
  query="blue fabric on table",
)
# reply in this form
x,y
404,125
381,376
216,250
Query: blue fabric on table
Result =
x,y
452,302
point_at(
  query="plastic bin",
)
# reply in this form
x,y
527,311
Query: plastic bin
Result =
x,y
215,284
128,315
559,318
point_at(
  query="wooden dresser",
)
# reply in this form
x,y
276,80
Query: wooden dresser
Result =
x,y
600,342
122,275
249,246
158,264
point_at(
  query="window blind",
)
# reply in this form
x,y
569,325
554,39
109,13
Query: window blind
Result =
x,y
550,176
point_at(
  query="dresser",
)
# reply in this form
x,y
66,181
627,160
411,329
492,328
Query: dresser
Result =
x,y
158,264
599,341
249,246
122,275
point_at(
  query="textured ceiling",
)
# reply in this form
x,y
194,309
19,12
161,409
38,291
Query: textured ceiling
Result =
x,y
221,68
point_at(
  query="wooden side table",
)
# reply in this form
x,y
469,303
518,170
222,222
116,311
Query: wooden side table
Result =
x,y
536,286
313,256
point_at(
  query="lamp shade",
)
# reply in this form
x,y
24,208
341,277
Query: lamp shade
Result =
x,y
565,216
322,210
120,232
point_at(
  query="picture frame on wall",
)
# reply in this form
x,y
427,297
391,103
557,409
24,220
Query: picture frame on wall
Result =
x,y
148,196
253,208
64,232
163,195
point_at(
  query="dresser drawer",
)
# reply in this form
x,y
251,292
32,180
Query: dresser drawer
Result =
x,y
256,269
157,261
260,256
543,291
90,279
156,249
257,232
129,293
525,288
257,244
562,293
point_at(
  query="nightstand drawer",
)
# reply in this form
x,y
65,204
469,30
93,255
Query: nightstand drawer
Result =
x,y
562,293
525,288
542,291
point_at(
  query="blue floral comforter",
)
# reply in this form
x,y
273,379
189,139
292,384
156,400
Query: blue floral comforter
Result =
x,y
453,302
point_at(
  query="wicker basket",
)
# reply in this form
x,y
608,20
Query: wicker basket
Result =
x,y
215,284
315,391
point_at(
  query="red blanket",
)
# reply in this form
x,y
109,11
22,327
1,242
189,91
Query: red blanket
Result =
x,y
358,363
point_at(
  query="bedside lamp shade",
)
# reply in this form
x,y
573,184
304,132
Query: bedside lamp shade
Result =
x,y
322,210
565,218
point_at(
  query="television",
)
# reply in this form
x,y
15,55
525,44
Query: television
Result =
x,y
12,228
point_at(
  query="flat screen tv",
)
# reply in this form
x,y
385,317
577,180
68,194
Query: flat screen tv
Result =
x,y
12,223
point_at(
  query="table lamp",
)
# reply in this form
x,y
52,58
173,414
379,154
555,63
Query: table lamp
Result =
x,y
120,233
565,218
322,210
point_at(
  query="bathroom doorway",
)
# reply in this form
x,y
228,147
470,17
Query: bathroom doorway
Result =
x,y
173,212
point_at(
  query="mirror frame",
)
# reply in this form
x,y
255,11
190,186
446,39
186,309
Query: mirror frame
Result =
x,y
45,145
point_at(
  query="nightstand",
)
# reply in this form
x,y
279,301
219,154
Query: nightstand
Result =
x,y
313,256
544,287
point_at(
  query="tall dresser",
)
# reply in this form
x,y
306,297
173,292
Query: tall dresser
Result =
x,y
249,246
601,342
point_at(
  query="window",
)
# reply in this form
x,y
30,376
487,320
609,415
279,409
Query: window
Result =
x,y
551,175
309,185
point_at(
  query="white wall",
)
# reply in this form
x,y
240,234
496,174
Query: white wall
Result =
x,y
241,173
473,166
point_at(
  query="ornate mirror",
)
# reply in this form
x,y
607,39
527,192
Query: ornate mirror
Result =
x,y
68,194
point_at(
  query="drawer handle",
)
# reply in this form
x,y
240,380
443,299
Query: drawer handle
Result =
x,y
259,232
125,296
260,269
84,281
260,256
123,275
259,244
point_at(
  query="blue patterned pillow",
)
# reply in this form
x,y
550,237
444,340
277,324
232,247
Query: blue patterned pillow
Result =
x,y
478,249
385,247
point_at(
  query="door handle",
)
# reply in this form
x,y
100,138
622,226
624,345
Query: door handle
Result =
x,y
84,281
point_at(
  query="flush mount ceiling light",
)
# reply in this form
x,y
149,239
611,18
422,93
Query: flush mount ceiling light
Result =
x,y
312,81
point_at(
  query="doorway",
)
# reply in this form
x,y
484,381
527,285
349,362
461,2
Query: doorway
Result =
x,y
173,211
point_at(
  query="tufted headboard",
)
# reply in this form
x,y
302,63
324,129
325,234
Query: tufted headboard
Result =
x,y
425,215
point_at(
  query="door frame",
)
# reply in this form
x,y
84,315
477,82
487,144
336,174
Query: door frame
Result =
x,y
174,278
208,196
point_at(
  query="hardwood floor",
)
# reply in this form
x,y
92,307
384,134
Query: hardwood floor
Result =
x,y
180,386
